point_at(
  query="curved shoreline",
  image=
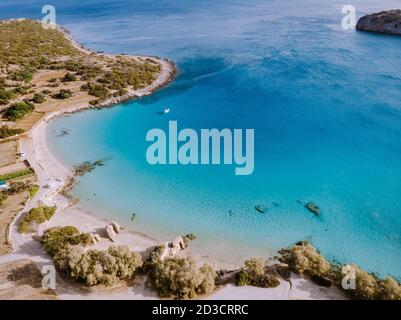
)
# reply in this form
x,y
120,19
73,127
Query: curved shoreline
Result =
x,y
48,168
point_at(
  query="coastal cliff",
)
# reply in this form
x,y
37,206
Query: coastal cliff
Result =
x,y
382,22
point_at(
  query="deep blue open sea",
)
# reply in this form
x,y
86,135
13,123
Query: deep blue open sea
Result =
x,y
325,104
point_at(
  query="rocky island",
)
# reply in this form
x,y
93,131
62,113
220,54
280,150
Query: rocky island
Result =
x,y
382,22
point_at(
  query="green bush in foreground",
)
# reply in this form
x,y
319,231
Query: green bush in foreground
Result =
x,y
38,98
45,92
6,95
370,287
255,273
3,102
20,90
390,289
22,75
304,258
36,216
181,278
66,246
98,267
69,77
6,131
18,110
57,239
63,94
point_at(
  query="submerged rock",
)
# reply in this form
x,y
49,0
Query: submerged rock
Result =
x,y
382,22
63,132
261,209
313,208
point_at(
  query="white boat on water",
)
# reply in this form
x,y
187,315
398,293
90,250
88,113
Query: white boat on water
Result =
x,y
166,110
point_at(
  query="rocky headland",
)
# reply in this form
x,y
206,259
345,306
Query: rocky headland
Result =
x,y
382,22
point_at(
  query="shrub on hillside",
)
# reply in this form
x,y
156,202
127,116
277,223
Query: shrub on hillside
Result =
x,y
120,93
6,95
96,90
181,278
20,90
38,98
18,110
69,77
3,102
63,94
6,131
36,216
22,75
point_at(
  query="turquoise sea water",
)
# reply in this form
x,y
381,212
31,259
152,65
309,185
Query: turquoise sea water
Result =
x,y
325,104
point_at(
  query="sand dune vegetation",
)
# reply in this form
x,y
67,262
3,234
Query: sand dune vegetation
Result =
x,y
71,256
181,278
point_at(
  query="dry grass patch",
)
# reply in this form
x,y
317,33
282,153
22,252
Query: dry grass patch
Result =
x,y
22,280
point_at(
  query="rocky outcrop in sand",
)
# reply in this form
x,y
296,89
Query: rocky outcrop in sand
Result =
x,y
95,238
170,249
112,230
382,22
116,227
